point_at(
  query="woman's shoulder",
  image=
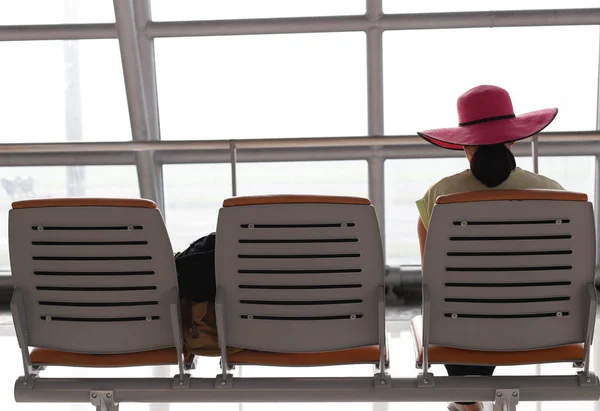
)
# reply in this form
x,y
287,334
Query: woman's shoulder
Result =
x,y
454,183
533,180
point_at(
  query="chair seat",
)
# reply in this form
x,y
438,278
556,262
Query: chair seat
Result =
x,y
361,355
44,356
447,355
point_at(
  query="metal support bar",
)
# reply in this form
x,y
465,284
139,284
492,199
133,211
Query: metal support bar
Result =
x,y
535,153
150,178
597,205
58,32
427,377
137,56
17,307
410,21
223,380
351,389
570,141
132,68
590,326
145,47
375,111
193,155
233,156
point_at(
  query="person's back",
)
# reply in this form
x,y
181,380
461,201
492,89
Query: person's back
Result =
x,y
486,132
466,181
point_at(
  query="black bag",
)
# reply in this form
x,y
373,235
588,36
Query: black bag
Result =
x,y
196,270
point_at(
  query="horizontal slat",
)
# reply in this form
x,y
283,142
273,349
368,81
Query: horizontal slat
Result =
x,y
95,295
507,284
299,248
504,316
299,302
320,278
501,260
91,236
548,238
92,258
304,294
299,241
271,226
300,271
94,266
556,221
97,303
297,233
88,243
511,268
508,246
299,310
86,228
509,276
91,273
511,292
344,263
506,300
316,318
508,253
96,289
100,319
298,256
299,287
110,311
477,308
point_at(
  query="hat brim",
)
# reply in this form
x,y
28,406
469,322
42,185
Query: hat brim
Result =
x,y
491,132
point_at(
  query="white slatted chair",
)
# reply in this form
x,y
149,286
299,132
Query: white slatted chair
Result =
x,y
508,279
300,282
95,285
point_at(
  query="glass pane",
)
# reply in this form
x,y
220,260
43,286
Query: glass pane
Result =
x,y
247,9
405,182
20,183
194,194
24,12
573,173
55,91
425,71
347,178
437,6
302,85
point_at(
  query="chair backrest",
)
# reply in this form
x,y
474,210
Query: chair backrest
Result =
x,y
299,273
96,275
509,269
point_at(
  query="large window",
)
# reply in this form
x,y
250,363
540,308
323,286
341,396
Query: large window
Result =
x,y
21,12
295,85
426,70
437,6
247,9
62,91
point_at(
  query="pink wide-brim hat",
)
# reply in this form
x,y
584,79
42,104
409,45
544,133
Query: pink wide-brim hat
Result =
x,y
486,117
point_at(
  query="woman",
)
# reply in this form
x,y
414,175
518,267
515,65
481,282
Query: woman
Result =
x,y
486,132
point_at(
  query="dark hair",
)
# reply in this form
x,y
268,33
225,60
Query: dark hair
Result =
x,y
492,164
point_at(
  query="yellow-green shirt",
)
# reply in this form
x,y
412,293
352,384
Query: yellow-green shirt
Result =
x,y
466,181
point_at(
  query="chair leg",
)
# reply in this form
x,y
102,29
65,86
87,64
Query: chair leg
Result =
x,y
107,407
104,401
506,400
